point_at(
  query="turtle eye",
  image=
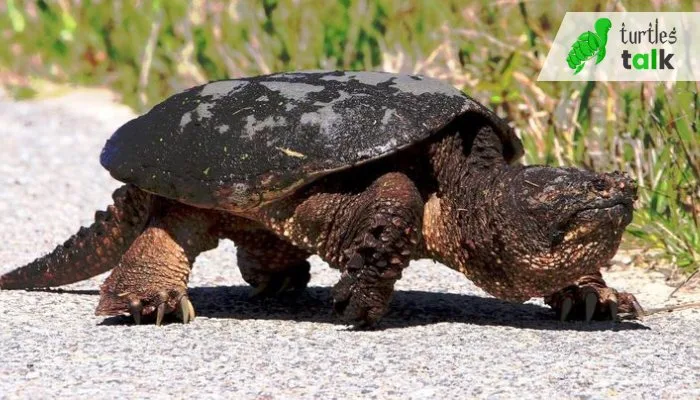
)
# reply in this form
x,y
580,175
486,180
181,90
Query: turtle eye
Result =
x,y
556,237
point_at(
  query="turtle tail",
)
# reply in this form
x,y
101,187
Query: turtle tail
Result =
x,y
92,250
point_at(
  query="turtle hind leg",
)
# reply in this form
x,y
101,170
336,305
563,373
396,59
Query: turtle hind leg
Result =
x,y
92,250
151,277
273,266
579,68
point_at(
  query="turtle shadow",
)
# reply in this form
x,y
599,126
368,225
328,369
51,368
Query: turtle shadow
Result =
x,y
409,308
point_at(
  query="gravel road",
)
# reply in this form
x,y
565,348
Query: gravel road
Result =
x,y
443,338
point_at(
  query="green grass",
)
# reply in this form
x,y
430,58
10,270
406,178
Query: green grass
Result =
x,y
147,51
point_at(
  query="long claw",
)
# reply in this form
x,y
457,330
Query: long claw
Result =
x,y
191,307
184,311
135,308
591,303
286,284
258,290
187,310
160,314
566,307
613,307
638,310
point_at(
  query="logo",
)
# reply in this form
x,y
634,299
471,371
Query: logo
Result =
x,y
625,46
588,45
654,36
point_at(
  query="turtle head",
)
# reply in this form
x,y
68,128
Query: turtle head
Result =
x,y
549,227
571,206
602,26
566,219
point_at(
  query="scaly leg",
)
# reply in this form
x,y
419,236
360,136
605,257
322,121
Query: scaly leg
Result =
x,y
387,220
370,236
271,265
152,275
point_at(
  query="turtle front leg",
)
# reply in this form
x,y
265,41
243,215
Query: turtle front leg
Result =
x,y
371,236
590,298
386,220
151,277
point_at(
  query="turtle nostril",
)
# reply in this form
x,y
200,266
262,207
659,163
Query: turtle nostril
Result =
x,y
624,185
600,184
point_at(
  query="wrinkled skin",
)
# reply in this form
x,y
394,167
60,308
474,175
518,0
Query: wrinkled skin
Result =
x,y
555,225
517,232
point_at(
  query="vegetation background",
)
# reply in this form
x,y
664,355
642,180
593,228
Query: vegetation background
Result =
x,y
493,50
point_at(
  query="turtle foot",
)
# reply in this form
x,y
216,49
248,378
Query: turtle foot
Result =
x,y
359,304
149,306
593,302
291,281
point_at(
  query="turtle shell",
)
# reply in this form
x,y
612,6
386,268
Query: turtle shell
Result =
x,y
236,144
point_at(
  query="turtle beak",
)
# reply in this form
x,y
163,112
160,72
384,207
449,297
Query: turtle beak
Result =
x,y
611,202
613,188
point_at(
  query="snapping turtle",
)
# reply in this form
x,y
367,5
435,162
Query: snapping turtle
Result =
x,y
368,170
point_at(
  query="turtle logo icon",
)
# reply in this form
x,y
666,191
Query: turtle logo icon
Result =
x,y
589,44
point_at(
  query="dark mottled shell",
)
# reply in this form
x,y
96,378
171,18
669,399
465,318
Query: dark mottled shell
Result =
x,y
234,144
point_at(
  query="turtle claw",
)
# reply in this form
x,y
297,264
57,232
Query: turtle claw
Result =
x,y
160,314
286,285
638,310
634,309
593,302
612,306
135,309
258,291
155,307
591,305
186,310
566,307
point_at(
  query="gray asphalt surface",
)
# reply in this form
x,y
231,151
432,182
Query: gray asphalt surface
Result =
x,y
443,338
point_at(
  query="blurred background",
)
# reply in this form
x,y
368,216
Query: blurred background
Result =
x,y
146,51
